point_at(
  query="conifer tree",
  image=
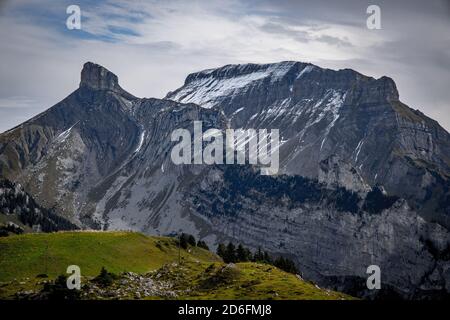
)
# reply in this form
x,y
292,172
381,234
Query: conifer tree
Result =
x,y
230,254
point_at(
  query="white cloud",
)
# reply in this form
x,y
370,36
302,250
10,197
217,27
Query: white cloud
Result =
x,y
162,41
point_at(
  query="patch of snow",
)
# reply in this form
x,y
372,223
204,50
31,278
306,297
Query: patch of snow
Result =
x,y
316,108
204,91
358,149
237,111
141,142
277,109
307,69
65,134
279,70
334,103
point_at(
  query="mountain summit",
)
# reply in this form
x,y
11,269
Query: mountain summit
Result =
x,y
364,179
209,87
98,77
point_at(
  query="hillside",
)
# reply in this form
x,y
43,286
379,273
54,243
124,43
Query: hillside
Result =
x,y
144,267
27,255
20,213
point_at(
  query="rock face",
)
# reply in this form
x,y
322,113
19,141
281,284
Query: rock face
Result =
x,y
333,234
334,172
99,78
323,113
364,179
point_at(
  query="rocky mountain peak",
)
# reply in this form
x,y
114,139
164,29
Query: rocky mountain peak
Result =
x,y
258,71
99,78
235,79
237,86
388,88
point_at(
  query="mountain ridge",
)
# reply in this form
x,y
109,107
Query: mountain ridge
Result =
x,y
356,175
323,112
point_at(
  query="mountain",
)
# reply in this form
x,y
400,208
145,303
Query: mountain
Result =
x,y
324,113
72,153
363,178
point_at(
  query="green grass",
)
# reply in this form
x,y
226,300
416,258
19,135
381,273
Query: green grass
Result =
x,y
247,280
28,255
201,275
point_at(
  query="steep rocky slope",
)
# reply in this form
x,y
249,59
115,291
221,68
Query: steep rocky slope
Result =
x,y
333,234
20,213
323,113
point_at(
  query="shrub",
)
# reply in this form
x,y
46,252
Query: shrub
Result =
x,y
202,244
230,253
221,250
183,243
57,290
105,278
191,240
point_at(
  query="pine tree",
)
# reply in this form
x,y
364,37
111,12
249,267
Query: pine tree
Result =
x,y
230,254
202,244
280,263
221,250
290,266
248,254
259,256
241,254
183,241
285,265
191,240
105,278
267,258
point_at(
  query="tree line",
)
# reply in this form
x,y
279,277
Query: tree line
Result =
x,y
15,201
185,240
232,254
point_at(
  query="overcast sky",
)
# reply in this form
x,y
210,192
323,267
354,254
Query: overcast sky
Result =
x,y
153,45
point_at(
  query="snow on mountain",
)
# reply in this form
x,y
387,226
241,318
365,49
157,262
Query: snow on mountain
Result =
x,y
323,112
65,134
206,86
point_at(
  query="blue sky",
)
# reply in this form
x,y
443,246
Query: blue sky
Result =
x,y
153,45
